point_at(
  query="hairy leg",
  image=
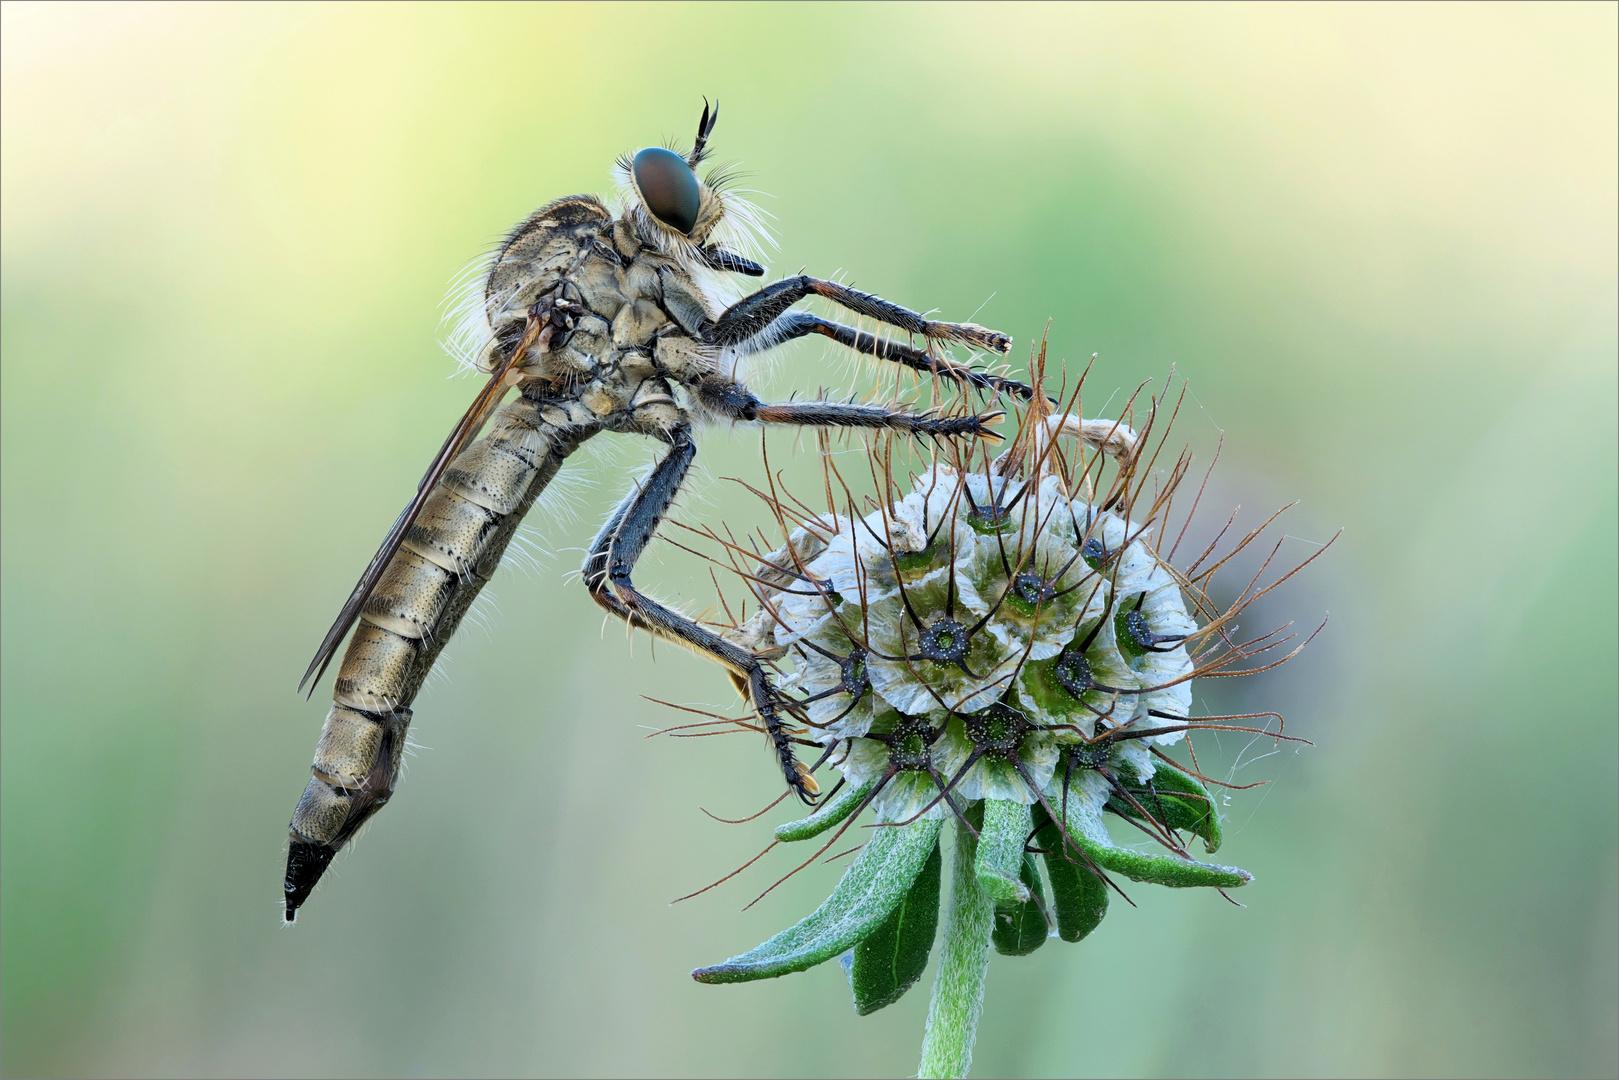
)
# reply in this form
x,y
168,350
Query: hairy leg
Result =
x,y
732,400
796,324
607,573
754,313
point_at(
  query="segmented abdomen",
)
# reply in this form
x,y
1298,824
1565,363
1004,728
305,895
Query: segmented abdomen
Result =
x,y
449,553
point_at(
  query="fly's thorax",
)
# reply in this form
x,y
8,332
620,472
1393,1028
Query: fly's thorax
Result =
x,y
625,365
565,252
642,276
631,321
624,381
625,242
654,406
637,323
623,309
550,246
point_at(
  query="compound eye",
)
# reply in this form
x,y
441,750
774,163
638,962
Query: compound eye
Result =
x,y
668,187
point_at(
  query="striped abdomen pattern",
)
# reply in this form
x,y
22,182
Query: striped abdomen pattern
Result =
x,y
450,552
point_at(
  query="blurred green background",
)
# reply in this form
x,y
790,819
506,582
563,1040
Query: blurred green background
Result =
x,y
1379,241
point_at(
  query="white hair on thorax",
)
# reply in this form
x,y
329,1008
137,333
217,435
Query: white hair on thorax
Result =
x,y
468,333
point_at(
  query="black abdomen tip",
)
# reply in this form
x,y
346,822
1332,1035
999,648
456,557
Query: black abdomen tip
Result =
x,y
305,864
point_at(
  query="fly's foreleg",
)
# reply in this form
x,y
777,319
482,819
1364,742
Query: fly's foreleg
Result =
x,y
797,324
607,573
753,314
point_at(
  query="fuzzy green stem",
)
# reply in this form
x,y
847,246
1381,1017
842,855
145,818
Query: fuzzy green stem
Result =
x,y
958,987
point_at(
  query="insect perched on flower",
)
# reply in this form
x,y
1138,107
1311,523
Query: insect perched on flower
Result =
x,y
603,320
1006,643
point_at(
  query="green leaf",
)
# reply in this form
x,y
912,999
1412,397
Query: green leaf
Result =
x,y
1177,800
872,888
1165,869
1000,851
1079,896
1022,928
891,958
1170,870
826,815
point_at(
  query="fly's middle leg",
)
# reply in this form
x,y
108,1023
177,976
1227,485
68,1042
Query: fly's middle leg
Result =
x,y
734,401
608,575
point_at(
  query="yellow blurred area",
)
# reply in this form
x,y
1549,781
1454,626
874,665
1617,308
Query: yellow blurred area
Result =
x,y
1380,242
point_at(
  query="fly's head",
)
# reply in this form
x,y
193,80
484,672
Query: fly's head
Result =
x,y
671,209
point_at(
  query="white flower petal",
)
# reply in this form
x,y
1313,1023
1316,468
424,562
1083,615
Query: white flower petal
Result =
x,y
1135,759
866,760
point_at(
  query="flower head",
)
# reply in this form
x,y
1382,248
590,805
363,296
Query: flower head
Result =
x,y
1003,643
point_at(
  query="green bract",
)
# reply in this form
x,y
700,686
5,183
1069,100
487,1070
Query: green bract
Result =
x,y
876,884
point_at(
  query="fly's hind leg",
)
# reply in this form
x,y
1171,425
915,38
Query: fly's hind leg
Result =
x,y
607,573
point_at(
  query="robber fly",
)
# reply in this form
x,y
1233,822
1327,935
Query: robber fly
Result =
x,y
602,321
